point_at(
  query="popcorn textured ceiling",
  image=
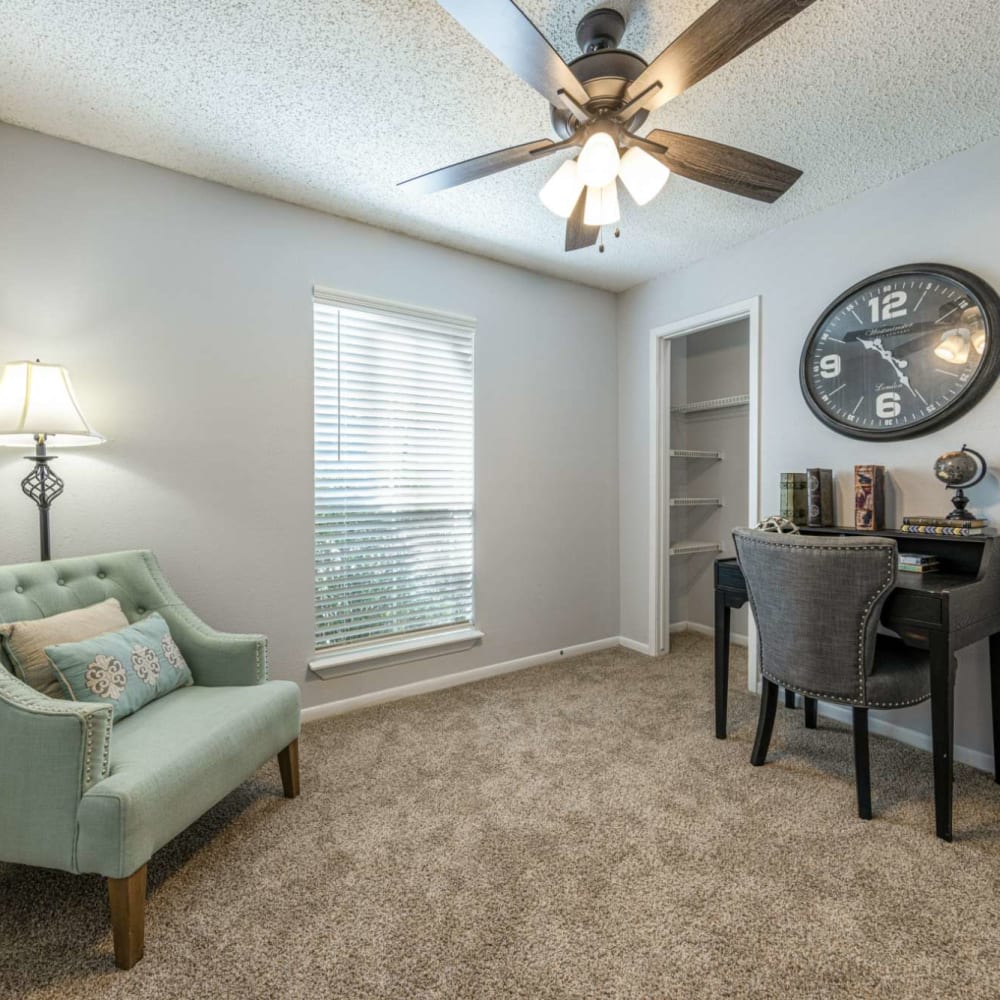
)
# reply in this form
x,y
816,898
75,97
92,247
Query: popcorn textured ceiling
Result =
x,y
329,104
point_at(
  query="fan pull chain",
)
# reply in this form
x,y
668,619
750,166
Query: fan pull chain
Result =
x,y
600,239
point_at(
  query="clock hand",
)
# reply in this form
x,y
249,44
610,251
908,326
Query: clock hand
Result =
x,y
875,344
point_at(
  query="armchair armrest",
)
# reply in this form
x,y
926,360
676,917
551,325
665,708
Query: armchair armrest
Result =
x,y
217,659
53,751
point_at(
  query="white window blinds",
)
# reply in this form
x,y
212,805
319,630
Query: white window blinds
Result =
x,y
393,470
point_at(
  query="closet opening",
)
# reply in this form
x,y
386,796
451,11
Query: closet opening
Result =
x,y
706,466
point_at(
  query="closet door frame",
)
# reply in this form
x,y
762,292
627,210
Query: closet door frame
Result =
x,y
659,469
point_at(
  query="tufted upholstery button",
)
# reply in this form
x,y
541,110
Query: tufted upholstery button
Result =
x,y
61,582
101,574
19,589
141,610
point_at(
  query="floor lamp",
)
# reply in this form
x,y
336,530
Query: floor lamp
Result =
x,y
37,403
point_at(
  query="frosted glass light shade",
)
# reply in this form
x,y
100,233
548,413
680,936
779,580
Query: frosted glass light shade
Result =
x,y
979,339
562,190
643,175
601,206
38,399
954,347
598,161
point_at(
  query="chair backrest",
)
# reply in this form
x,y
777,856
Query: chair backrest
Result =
x,y
39,589
817,601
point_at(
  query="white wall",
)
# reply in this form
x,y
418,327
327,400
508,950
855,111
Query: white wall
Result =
x,y
948,212
183,311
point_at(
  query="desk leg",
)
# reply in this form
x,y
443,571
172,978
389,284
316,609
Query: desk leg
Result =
x,y
995,696
943,726
722,617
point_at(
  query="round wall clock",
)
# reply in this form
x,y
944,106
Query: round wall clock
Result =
x,y
903,352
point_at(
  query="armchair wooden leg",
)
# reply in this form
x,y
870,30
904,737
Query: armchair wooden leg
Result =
x,y
862,772
288,763
128,917
765,721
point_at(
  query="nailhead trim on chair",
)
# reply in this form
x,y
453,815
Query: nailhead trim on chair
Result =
x,y
866,613
16,692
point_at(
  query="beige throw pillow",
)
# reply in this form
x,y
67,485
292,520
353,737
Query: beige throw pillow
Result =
x,y
25,642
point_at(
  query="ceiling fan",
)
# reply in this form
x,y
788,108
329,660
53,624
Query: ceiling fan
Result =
x,y
602,97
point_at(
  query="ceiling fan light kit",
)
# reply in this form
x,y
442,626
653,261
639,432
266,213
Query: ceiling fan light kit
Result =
x,y
600,99
563,189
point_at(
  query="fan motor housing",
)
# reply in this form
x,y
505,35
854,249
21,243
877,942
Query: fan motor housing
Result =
x,y
605,74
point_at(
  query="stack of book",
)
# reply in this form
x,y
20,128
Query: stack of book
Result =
x,y
943,526
915,562
794,497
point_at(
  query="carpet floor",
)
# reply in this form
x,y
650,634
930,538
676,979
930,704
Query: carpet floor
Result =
x,y
573,830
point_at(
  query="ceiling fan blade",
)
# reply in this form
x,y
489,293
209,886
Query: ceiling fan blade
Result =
x,y
579,236
503,28
725,30
481,166
724,167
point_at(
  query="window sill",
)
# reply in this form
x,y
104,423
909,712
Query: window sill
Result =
x,y
389,653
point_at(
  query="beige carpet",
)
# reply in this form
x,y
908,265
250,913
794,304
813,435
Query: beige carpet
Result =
x,y
568,831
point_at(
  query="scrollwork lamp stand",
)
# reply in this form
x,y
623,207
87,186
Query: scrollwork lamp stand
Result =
x,y
37,403
43,486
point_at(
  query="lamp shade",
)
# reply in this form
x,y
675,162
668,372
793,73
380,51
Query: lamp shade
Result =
x,y
38,399
642,175
562,191
601,206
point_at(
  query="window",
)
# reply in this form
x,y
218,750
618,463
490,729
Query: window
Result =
x,y
393,478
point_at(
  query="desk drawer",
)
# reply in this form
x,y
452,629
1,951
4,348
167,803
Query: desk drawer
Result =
x,y
729,575
912,606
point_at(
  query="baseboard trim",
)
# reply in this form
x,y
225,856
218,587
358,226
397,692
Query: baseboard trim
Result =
x,y
634,645
734,637
343,705
912,737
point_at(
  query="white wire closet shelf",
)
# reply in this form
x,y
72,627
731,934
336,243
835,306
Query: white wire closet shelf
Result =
x,y
695,502
694,548
694,453
724,402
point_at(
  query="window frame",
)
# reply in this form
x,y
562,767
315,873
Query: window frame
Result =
x,y
373,653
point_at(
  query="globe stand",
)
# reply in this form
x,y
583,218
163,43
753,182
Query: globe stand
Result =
x,y
960,501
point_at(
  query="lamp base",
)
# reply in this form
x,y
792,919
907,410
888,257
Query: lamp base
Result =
x,y
43,486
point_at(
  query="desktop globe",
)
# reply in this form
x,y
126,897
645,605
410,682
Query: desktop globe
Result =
x,y
959,470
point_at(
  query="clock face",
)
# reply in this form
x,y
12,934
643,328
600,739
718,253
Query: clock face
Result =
x,y
903,352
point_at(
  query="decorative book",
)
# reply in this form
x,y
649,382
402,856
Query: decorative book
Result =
x,y
794,500
820,486
869,497
945,522
941,531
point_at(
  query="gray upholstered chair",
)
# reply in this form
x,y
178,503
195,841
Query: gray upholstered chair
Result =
x,y
817,601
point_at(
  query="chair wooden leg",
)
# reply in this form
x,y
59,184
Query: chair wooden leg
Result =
x,y
765,722
810,713
288,763
862,772
128,917
789,698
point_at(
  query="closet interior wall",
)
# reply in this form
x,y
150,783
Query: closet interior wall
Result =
x,y
711,365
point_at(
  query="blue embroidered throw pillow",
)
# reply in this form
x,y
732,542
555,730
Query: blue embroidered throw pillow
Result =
x,y
128,668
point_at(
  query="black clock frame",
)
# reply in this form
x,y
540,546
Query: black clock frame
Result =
x,y
980,291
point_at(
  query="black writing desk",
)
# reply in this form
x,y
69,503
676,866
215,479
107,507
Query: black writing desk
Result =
x,y
941,612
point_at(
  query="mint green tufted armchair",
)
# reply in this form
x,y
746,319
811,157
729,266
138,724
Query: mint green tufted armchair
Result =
x,y
80,795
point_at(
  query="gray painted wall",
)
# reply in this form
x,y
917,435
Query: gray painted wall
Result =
x,y
183,311
947,212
